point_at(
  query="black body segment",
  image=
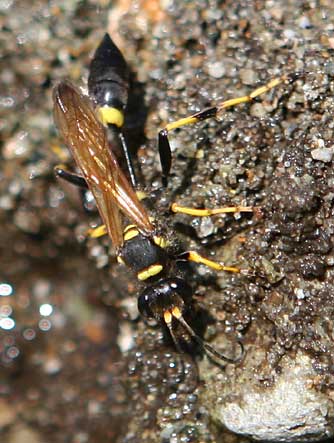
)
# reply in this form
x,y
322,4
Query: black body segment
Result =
x,y
141,252
165,154
70,177
108,86
108,81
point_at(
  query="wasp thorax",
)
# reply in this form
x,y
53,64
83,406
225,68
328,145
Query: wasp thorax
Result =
x,y
143,255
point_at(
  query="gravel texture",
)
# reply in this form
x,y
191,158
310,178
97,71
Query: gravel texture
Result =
x,y
77,363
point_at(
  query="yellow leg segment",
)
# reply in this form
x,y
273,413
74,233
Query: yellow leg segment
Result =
x,y
213,111
97,232
197,258
205,212
248,98
61,153
182,122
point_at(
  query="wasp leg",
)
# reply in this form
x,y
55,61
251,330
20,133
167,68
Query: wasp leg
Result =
x,y
71,177
100,231
288,78
163,143
60,152
78,180
198,258
206,212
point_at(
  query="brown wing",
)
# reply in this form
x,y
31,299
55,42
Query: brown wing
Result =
x,y
86,138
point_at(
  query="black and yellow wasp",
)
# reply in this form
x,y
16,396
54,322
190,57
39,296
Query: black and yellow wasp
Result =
x,y
142,245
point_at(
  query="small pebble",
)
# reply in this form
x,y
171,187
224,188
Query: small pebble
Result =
x,y
248,77
304,22
289,34
24,434
52,365
17,147
300,294
258,110
27,221
205,228
7,413
216,70
322,154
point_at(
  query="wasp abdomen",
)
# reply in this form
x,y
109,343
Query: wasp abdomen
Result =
x,y
108,80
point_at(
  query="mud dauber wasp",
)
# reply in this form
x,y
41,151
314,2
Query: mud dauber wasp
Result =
x,y
142,245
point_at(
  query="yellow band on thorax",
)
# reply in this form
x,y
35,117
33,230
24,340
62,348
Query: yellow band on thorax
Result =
x,y
129,227
151,271
130,232
111,116
160,241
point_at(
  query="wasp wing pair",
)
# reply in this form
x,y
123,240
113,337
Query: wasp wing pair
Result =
x,y
86,137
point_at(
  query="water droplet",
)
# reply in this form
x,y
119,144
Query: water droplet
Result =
x,y
7,323
5,289
46,309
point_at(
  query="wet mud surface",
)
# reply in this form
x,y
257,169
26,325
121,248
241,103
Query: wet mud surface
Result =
x,y
77,362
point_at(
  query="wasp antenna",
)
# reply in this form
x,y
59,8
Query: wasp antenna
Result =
x,y
175,340
212,352
209,350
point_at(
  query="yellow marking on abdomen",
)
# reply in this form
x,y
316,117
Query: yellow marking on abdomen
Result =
x,y
149,272
111,116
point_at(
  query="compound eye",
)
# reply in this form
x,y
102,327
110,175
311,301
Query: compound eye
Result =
x,y
144,301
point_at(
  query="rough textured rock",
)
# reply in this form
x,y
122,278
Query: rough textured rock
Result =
x,y
290,409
